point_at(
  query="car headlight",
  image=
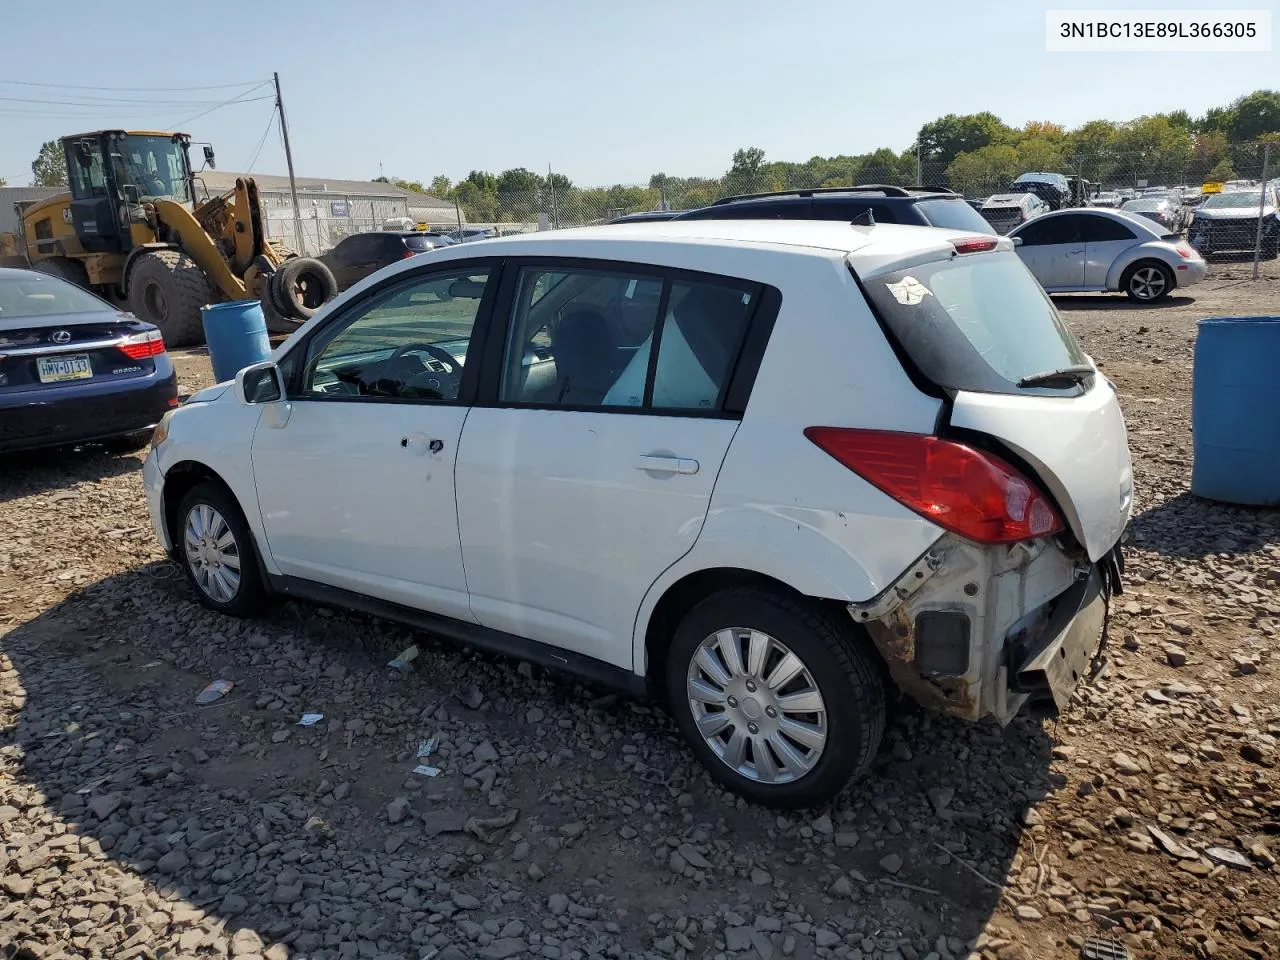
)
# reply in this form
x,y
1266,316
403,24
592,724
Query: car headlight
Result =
x,y
161,432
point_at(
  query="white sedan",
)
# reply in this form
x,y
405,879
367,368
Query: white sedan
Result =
x,y
1079,251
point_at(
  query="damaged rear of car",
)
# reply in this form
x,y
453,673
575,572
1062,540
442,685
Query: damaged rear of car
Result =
x,y
1027,474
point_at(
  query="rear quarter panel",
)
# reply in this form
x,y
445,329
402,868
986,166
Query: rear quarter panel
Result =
x,y
781,506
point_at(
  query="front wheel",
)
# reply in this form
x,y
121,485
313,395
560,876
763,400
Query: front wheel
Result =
x,y
215,548
782,702
1148,282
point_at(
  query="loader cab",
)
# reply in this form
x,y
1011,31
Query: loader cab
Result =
x,y
113,174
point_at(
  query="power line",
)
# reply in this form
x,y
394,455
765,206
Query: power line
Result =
x,y
226,103
77,86
248,168
87,101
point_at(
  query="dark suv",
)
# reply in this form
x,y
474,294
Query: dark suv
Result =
x,y
886,204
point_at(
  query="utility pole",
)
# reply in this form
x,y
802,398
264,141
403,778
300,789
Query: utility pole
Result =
x,y
1262,206
288,159
919,174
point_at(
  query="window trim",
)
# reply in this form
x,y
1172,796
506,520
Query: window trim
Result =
x,y
733,395
300,354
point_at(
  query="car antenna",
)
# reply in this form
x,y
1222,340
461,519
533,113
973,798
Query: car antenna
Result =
x,y
864,218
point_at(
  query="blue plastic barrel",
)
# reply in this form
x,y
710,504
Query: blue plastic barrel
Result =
x,y
1235,410
236,333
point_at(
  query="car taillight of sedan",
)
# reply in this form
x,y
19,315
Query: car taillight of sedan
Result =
x,y
139,346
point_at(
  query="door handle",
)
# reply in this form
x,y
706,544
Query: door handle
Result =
x,y
1081,250
651,464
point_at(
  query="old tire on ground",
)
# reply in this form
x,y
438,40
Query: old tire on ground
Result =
x,y
303,286
168,289
790,717
1147,281
215,548
276,322
64,268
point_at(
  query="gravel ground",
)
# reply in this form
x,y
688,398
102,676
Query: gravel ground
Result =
x,y
567,822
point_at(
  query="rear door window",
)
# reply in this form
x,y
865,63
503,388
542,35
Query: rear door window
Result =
x,y
846,209
978,322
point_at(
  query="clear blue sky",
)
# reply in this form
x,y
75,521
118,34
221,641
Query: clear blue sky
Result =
x,y
604,90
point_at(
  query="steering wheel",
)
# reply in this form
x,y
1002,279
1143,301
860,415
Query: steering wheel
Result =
x,y
452,366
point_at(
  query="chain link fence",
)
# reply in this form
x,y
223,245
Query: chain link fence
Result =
x,y
1104,177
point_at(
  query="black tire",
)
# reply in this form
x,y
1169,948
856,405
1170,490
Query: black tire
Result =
x,y
276,323
250,594
303,286
167,288
837,660
1136,279
64,268
129,442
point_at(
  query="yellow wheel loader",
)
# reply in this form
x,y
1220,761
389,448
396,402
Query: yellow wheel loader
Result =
x,y
132,230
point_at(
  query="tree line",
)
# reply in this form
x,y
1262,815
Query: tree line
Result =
x,y
970,153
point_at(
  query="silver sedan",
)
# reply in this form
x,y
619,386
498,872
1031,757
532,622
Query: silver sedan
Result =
x,y
1077,251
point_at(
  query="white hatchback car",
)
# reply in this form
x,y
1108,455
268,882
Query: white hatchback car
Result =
x,y
1096,250
759,469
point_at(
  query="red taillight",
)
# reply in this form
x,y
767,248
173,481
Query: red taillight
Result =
x,y
1185,252
965,490
409,254
143,345
974,244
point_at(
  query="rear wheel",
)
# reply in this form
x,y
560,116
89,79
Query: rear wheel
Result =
x,y
780,701
217,553
167,288
64,268
1148,281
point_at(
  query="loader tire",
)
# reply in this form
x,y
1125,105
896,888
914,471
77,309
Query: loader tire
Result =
x,y
64,268
303,286
168,289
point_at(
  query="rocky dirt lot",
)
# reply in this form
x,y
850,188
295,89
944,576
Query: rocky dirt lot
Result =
x,y
567,822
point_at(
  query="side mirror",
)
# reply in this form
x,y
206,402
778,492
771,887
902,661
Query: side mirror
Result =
x,y
1017,241
260,383
208,158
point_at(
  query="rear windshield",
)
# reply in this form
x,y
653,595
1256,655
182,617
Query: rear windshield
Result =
x,y
34,295
977,322
421,243
953,215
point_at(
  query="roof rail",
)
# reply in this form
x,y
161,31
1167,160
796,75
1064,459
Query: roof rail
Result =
x,y
921,187
884,188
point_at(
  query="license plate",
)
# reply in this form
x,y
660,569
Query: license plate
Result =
x,y
57,369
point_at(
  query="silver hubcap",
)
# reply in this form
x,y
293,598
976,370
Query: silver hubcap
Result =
x,y
212,553
757,705
1147,283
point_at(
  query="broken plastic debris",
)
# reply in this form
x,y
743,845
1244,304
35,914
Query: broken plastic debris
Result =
x,y
1228,857
427,747
1171,846
153,663
1100,948
215,691
404,657
310,719
425,770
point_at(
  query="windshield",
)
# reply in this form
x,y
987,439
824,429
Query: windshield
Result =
x,y
1235,198
35,295
975,322
1141,205
953,215
153,166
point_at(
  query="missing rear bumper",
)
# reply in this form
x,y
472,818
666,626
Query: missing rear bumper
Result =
x,y
1054,668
